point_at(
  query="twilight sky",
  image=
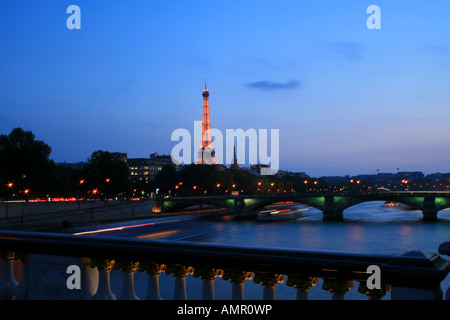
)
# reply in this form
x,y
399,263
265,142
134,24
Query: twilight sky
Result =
x,y
347,100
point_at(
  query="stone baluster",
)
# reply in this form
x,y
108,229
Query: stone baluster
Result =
x,y
153,271
302,285
269,281
8,283
104,285
89,279
373,294
238,279
21,290
180,273
337,287
208,277
128,270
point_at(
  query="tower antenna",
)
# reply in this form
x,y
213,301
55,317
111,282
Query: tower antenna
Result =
x,y
205,84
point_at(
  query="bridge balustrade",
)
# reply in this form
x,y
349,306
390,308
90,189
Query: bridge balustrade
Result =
x,y
332,205
45,257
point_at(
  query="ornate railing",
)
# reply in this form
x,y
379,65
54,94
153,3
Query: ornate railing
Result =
x,y
48,258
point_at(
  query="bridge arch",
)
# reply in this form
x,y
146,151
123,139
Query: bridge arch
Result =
x,y
259,205
377,210
428,204
355,203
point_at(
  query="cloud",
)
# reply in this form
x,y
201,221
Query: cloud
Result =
x,y
272,85
439,49
351,51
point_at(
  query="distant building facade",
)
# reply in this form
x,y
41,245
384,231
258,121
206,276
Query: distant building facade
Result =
x,y
145,169
120,156
379,178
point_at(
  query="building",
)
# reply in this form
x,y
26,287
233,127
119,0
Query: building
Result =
x,y
120,156
145,169
283,173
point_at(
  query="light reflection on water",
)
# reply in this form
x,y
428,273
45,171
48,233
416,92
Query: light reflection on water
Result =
x,y
366,228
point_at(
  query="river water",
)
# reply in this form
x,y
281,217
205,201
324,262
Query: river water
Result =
x,y
369,228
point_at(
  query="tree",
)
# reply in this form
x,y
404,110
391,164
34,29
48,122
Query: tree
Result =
x,y
106,174
246,181
25,164
166,179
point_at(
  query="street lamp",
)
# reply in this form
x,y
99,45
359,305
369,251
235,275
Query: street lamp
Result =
x,y
10,186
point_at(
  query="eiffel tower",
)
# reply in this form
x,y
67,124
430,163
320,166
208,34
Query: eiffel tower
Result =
x,y
206,154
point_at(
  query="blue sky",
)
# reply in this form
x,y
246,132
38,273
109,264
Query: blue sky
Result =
x,y
347,100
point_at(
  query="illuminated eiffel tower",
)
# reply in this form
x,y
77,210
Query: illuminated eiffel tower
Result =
x,y
206,154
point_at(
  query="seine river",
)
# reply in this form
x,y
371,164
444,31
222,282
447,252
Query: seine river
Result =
x,y
367,228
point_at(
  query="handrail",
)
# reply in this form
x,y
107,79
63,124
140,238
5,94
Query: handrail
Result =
x,y
266,266
412,270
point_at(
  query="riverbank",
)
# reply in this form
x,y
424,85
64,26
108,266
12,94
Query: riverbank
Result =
x,y
50,215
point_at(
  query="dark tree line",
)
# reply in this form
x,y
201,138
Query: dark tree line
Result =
x,y
198,180
26,171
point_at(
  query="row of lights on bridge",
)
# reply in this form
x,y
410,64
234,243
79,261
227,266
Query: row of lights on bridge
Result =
x,y
218,185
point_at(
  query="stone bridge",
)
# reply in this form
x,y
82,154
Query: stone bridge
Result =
x,y
332,205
